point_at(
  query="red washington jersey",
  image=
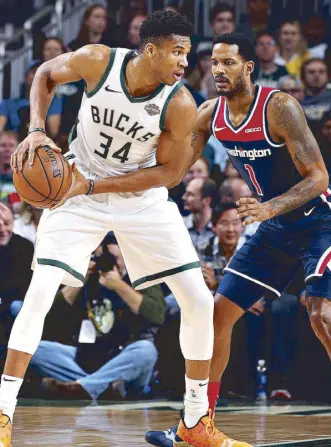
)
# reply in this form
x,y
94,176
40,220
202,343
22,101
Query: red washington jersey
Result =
x,y
265,165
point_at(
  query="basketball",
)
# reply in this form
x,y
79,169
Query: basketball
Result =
x,y
44,183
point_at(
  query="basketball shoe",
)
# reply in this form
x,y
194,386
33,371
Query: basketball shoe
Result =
x,y
163,438
5,431
204,434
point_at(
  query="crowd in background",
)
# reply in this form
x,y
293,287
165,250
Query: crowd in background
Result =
x,y
107,346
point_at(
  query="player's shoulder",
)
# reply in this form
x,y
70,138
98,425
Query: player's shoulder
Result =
x,y
182,98
285,113
181,105
90,61
93,52
208,106
205,113
281,101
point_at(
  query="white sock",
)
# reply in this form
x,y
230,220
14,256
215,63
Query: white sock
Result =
x,y
195,401
9,390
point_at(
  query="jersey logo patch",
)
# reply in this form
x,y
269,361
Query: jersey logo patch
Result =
x,y
152,109
108,89
255,129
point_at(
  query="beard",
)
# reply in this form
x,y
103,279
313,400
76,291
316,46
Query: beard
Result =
x,y
239,86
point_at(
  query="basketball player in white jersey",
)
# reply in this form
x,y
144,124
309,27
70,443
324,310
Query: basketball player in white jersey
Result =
x,y
131,141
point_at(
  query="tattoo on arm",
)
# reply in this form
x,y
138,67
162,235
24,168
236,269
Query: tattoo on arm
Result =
x,y
290,123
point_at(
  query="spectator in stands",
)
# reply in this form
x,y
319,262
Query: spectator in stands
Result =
x,y
269,72
317,100
292,47
222,18
16,255
93,28
133,38
8,143
200,169
14,113
234,188
201,78
116,352
51,48
293,86
27,222
258,19
230,171
228,229
314,31
199,199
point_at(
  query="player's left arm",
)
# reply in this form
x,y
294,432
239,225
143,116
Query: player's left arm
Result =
x,y
287,122
173,154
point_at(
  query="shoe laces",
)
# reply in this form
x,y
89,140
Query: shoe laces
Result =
x,y
210,426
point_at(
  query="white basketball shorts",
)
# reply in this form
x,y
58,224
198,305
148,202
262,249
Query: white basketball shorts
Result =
x,y
149,229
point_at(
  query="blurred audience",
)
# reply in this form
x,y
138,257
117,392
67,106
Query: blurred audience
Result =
x,y
293,86
314,31
228,230
200,169
27,222
233,189
93,28
51,48
292,47
115,326
222,18
15,113
8,143
258,19
201,78
317,100
269,72
16,255
132,40
199,199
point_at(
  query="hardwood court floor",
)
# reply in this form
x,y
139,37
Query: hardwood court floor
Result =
x,y
125,425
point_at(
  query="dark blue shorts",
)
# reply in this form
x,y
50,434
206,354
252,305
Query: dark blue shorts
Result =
x,y
273,255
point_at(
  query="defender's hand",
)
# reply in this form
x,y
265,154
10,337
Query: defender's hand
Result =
x,y
254,210
29,145
79,186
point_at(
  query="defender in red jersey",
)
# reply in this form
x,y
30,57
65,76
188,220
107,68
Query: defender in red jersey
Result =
x,y
267,139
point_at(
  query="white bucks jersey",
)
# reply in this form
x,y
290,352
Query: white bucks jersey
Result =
x,y
115,132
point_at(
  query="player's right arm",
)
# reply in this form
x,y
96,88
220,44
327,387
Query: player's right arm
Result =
x,y
88,63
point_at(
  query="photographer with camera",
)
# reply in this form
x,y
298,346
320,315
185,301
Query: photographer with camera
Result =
x,y
105,344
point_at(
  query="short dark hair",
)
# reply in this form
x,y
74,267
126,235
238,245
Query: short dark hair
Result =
x,y
310,61
219,8
265,32
209,189
245,46
164,24
219,210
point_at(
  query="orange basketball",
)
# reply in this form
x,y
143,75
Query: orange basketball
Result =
x,y
45,182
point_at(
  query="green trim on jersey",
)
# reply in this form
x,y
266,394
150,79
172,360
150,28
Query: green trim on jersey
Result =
x,y
73,133
170,272
125,90
164,110
105,74
61,265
